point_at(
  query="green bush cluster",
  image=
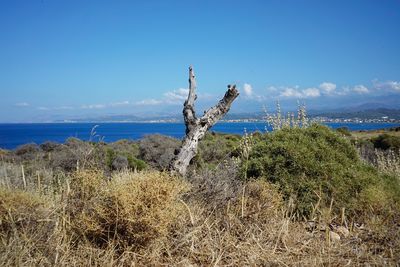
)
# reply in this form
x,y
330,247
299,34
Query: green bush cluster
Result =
x,y
215,148
386,141
317,165
116,155
344,131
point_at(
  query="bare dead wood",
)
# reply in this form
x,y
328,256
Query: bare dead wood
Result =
x,y
196,128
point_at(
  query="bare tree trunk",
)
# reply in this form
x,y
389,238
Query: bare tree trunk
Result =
x,y
197,128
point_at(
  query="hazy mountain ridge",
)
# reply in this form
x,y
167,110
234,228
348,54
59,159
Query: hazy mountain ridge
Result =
x,y
376,113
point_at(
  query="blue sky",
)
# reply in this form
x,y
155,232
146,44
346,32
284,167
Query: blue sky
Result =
x,y
87,58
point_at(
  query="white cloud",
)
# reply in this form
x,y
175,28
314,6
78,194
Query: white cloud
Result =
x,y
56,108
388,85
173,97
94,106
394,85
176,96
344,90
361,89
327,87
117,104
22,104
149,102
64,108
311,92
100,106
290,92
296,93
248,89
272,89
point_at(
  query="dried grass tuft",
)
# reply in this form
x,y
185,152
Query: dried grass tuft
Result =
x,y
153,219
21,211
132,210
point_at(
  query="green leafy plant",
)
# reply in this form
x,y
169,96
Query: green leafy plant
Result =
x,y
315,165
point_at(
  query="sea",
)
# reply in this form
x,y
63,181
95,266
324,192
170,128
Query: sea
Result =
x,y
13,135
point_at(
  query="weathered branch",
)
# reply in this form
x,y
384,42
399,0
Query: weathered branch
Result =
x,y
189,113
197,128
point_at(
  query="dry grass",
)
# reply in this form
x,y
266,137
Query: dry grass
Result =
x,y
27,224
388,162
130,211
153,219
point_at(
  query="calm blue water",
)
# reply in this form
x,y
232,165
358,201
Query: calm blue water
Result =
x,y
13,135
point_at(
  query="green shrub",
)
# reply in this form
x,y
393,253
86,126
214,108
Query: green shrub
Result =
x,y
386,141
344,130
136,164
110,156
126,147
216,147
314,165
132,162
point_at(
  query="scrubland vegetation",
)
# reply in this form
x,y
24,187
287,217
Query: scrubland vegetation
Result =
x,y
298,196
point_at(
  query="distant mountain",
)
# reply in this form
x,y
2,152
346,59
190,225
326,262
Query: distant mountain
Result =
x,y
127,118
349,113
371,106
377,113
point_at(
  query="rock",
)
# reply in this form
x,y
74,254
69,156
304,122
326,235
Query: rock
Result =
x,y
342,231
334,237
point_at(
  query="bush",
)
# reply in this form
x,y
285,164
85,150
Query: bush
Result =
x,y
216,187
110,156
131,210
4,152
136,164
64,159
49,146
27,151
158,150
386,141
260,202
21,211
120,163
313,165
74,142
117,160
126,147
366,150
215,148
78,154
344,131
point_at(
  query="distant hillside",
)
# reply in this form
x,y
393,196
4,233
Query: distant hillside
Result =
x,y
376,113
364,114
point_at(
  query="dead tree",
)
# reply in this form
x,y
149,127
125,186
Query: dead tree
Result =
x,y
196,128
